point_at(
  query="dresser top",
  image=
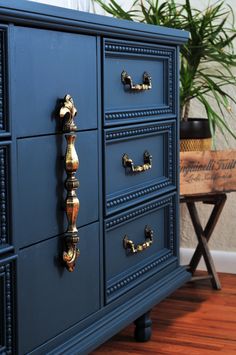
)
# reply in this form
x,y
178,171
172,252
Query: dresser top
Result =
x,y
34,14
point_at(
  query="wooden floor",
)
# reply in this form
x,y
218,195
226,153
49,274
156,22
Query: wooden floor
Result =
x,y
195,320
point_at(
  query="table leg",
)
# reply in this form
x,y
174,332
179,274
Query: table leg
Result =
x,y
202,248
218,202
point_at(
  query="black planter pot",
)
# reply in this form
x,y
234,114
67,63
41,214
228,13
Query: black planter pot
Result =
x,y
195,135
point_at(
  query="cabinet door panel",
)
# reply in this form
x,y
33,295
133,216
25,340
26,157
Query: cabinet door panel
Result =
x,y
47,66
51,299
41,191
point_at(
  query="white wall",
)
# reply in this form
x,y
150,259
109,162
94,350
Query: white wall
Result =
x,y
224,236
83,5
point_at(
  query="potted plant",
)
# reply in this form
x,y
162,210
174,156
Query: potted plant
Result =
x,y
206,63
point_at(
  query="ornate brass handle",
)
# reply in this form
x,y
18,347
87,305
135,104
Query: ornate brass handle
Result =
x,y
130,246
67,113
127,81
128,163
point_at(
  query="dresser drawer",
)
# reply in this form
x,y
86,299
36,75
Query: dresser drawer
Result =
x,y
50,298
151,147
41,191
47,66
150,227
129,102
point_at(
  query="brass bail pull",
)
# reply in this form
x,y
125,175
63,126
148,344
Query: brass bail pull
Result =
x,y
128,82
128,163
71,253
134,249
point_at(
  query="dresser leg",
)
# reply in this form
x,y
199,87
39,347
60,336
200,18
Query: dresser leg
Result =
x,y
143,328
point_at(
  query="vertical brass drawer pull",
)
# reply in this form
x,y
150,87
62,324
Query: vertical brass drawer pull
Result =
x,y
128,82
128,163
130,246
67,113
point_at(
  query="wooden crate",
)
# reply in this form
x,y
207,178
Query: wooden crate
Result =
x,y
207,172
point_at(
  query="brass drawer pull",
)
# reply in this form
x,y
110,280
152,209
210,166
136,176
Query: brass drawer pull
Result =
x,y
127,81
67,113
130,246
128,163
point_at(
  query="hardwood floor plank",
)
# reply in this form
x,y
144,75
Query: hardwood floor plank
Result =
x,y
195,320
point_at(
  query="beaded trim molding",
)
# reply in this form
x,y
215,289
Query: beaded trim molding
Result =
x,y
6,332
134,48
136,275
112,135
125,198
125,217
137,114
167,54
171,227
3,196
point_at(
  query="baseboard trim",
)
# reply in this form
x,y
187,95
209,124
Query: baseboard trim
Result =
x,y
225,261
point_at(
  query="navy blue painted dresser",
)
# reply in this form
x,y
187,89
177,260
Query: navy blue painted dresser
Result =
x,y
88,201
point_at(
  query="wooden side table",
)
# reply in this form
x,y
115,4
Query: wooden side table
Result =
x,y
204,235
205,177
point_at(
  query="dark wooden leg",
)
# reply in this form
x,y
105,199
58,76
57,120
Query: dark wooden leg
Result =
x,y
214,217
143,328
203,247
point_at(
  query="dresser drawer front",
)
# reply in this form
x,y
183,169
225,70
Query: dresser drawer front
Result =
x,y
124,104
125,187
52,299
47,66
126,268
41,190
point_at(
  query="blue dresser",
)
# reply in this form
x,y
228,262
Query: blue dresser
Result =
x,y
88,202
